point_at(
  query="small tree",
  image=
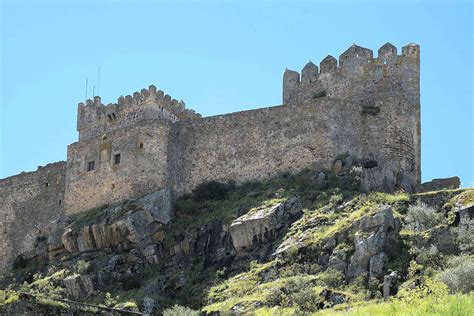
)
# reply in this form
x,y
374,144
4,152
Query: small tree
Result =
x,y
459,276
178,310
421,217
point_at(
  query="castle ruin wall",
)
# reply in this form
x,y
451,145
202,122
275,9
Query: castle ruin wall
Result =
x,y
29,202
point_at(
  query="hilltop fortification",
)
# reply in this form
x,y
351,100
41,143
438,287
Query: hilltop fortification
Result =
x,y
366,107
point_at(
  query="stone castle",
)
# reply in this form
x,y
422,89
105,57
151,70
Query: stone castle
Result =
x,y
363,106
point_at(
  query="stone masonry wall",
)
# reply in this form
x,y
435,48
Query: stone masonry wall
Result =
x,y
29,202
142,168
260,143
94,118
362,78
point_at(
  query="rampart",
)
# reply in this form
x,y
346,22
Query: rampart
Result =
x,y
95,119
363,106
29,202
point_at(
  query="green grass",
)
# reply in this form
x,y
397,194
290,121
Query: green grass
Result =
x,y
8,297
451,305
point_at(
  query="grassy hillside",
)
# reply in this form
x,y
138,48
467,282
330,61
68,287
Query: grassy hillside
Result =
x,y
346,253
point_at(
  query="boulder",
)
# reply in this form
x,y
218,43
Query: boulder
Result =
x,y
78,286
263,223
377,264
390,284
337,261
158,204
69,241
372,238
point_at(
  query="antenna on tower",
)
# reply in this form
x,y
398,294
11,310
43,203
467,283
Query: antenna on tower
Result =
x,y
98,80
85,97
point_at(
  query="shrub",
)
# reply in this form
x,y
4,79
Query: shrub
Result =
x,y
421,217
82,267
427,256
459,276
331,278
464,235
296,292
178,310
212,190
336,199
294,269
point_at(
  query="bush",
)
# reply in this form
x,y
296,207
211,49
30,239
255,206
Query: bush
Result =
x,y
427,256
212,190
464,235
295,269
421,217
178,310
82,267
459,276
296,292
336,199
331,278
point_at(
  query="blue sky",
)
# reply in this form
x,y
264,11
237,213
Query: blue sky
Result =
x,y
219,58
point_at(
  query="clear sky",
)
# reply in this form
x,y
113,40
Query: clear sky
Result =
x,y
219,58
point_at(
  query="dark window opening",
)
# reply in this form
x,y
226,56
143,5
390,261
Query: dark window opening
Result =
x,y
90,165
117,159
369,164
370,109
60,202
141,145
113,186
320,94
46,184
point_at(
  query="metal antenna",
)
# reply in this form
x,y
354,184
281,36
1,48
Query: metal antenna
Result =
x,y
98,81
87,81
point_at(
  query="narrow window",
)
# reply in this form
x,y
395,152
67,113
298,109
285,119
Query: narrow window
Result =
x,y
141,145
46,184
60,202
90,165
116,159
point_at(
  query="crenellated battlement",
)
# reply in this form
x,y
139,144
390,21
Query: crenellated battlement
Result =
x,y
357,75
94,117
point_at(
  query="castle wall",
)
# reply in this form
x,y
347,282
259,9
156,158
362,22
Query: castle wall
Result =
x,y
260,143
360,77
29,201
142,169
94,118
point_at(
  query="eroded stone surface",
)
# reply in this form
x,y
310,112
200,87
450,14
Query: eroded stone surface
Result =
x,y
263,224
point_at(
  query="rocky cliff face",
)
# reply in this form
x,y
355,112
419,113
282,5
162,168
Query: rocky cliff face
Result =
x,y
284,242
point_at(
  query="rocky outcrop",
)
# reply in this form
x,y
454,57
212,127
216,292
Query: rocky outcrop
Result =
x,y
78,286
372,238
121,227
390,284
210,242
263,224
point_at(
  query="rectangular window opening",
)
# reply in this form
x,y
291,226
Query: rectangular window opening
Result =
x,y
90,165
116,159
